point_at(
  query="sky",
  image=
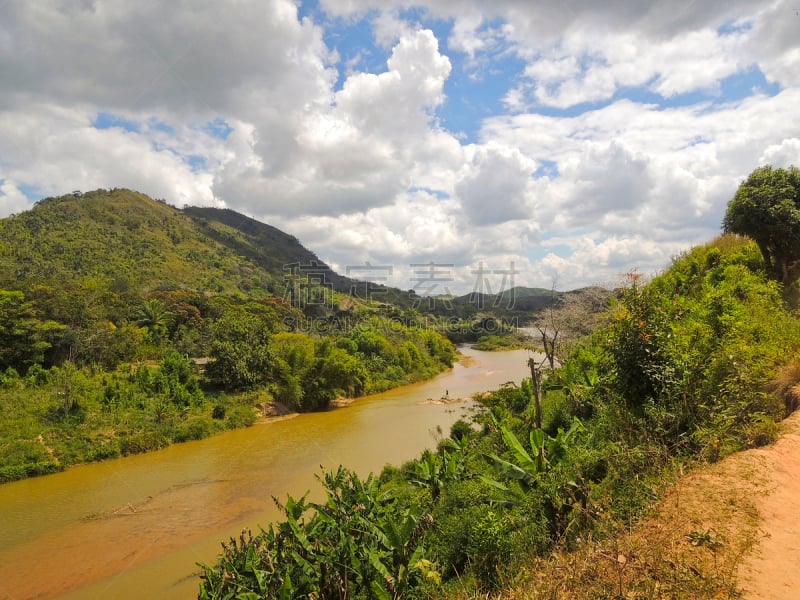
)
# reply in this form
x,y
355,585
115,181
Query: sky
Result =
x,y
441,145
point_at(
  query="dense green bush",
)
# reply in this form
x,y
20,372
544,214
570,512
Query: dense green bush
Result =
x,y
696,347
194,429
240,416
357,544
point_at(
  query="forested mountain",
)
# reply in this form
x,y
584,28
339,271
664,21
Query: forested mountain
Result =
x,y
127,242
264,245
109,298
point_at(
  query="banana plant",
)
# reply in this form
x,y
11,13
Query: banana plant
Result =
x,y
433,469
525,467
357,544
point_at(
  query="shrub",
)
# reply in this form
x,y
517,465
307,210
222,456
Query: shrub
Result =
x,y
104,452
15,472
461,430
196,429
240,416
489,547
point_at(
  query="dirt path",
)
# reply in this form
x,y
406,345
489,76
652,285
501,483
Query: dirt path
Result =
x,y
728,530
772,570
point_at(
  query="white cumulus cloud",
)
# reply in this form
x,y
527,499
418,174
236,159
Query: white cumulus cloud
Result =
x,y
603,137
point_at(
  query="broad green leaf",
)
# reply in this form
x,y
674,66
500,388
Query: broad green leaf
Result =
x,y
286,591
526,463
379,591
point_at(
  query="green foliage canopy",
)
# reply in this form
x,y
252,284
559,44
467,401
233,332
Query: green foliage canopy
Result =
x,y
698,345
766,207
359,543
23,338
240,350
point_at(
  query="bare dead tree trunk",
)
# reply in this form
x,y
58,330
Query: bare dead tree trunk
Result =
x,y
549,344
536,377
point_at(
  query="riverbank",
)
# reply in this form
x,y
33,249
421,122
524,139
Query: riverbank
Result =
x,y
56,419
65,540
273,411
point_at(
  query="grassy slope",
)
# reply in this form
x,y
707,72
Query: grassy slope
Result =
x,y
696,538
125,238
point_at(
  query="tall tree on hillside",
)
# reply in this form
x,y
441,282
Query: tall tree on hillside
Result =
x,y
766,207
240,347
155,318
24,339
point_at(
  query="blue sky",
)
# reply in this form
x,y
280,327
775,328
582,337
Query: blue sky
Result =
x,y
473,91
573,141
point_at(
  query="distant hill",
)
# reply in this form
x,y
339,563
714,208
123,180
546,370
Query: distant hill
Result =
x,y
278,252
126,241
517,299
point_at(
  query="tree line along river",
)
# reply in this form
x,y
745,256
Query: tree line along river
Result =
x,y
135,527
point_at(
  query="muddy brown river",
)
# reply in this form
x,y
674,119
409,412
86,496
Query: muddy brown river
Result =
x,y
136,527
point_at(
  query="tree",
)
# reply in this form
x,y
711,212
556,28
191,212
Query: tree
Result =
x,y
155,318
292,366
70,386
310,373
336,372
766,208
565,320
24,338
569,318
240,349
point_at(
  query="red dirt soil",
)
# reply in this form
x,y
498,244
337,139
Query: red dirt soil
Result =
x,y
772,570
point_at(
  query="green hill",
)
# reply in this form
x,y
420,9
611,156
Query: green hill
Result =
x,y
105,296
124,241
263,245
127,243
